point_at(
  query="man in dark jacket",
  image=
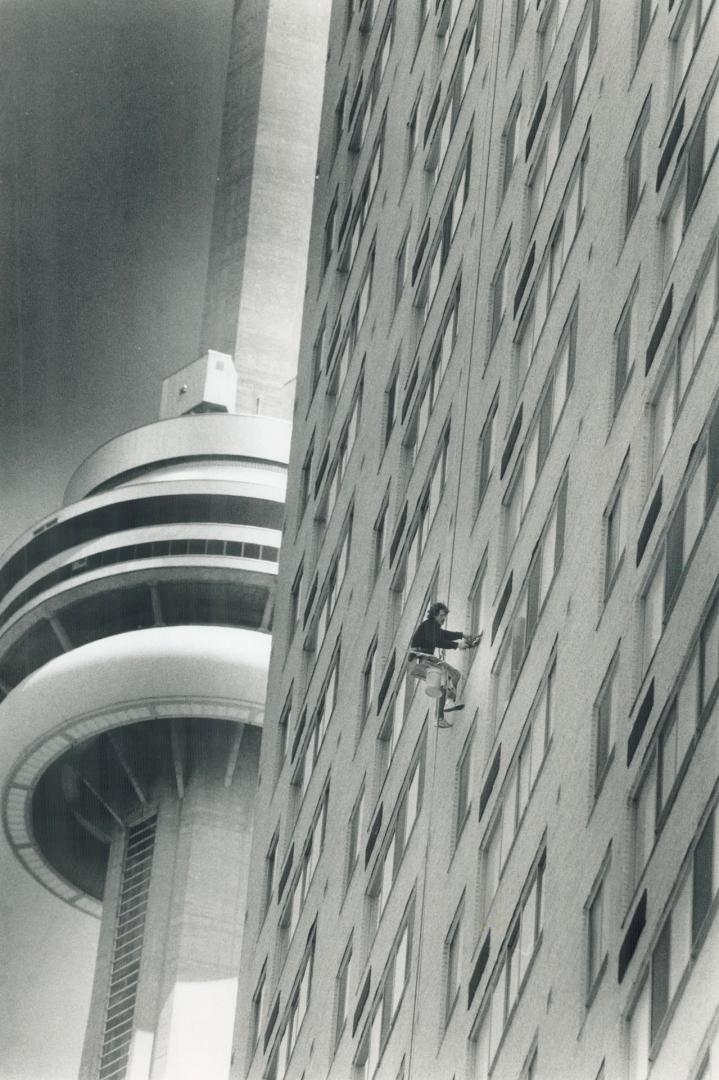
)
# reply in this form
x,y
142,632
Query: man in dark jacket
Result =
x,y
431,635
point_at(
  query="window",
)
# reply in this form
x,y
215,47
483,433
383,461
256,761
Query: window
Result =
x,y
396,840
400,269
391,405
463,786
305,482
674,740
412,128
283,728
299,1000
270,866
499,293
709,657
318,353
393,723
486,451
540,432
380,538
615,534
353,225
568,92
563,232
258,1009
368,677
431,383
422,12
647,9
423,519
672,952
388,998
634,166
296,601
511,970
597,922
355,834
625,348
530,1072
519,634
332,586
441,244
605,709
450,111
329,235
453,961
448,10
685,526
684,356
307,864
676,737
317,729
697,156
512,139
639,1035
518,787
551,21
349,12
362,108
520,10
671,228
342,992
478,601
684,39
339,118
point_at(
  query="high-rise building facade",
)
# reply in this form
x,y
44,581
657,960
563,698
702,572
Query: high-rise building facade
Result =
x,y
508,399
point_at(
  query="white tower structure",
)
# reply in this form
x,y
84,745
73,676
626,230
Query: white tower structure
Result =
x,y
134,645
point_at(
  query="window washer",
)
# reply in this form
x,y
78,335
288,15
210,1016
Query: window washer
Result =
x,y
431,635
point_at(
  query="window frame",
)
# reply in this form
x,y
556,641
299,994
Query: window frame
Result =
x,y
603,759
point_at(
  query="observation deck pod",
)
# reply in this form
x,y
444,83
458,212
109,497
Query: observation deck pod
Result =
x,y
134,636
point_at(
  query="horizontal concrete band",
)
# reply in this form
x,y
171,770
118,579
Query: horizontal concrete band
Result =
x,y
258,438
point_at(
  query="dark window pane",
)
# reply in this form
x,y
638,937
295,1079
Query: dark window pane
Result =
x,y
702,881
695,168
561,516
713,455
660,979
674,556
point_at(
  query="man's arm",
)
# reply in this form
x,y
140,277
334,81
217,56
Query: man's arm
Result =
x,y
449,639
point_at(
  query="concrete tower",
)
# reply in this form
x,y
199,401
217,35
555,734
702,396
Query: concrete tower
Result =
x,y
263,199
134,643
507,399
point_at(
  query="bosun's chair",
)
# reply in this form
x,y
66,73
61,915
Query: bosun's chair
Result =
x,y
432,671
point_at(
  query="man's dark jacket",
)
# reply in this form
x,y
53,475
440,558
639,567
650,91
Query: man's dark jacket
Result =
x,y
429,636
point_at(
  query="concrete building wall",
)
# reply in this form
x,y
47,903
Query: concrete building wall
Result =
x,y
607,975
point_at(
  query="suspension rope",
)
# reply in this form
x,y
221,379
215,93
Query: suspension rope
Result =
x,y
495,45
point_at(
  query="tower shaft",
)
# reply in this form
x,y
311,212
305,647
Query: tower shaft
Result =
x,y
163,999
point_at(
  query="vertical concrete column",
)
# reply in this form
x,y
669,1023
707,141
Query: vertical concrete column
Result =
x,y
204,920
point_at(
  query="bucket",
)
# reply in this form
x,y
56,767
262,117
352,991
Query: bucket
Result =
x,y
433,683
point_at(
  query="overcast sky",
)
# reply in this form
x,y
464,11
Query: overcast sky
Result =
x,y
108,144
